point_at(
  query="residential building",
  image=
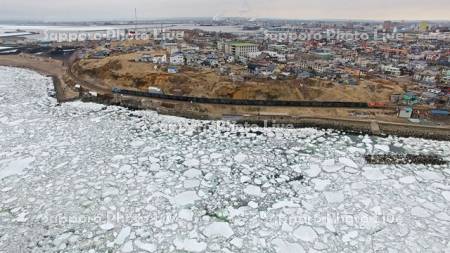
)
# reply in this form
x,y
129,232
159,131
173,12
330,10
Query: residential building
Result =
x,y
391,70
144,58
159,59
177,59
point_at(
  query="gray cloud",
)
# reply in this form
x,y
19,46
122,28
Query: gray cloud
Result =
x,y
150,9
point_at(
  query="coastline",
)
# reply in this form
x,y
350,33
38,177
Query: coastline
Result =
x,y
52,68
57,71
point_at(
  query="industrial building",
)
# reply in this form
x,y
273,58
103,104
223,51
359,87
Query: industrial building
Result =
x,y
241,48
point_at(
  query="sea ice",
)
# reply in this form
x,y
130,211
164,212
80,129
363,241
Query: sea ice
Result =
x,y
218,229
193,173
237,242
192,163
305,233
253,191
348,162
320,185
127,247
148,247
240,158
314,171
384,148
186,214
89,160
282,246
107,226
190,245
122,236
407,180
15,167
186,198
372,173
420,212
446,195
334,197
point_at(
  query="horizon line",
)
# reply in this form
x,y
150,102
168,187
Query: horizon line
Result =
x,y
224,18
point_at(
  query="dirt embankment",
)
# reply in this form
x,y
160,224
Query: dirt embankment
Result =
x,y
123,71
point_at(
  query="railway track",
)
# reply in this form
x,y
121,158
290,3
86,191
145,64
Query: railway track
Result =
x,y
242,102
219,101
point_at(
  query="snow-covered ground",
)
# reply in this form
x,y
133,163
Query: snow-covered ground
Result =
x,y
89,178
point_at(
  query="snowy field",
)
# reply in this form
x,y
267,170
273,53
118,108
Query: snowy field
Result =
x,y
89,178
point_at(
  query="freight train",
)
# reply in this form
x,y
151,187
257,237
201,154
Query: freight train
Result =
x,y
245,102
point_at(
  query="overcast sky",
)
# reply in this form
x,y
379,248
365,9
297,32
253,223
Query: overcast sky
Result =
x,y
49,10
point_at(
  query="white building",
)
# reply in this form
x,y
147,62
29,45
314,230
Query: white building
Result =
x,y
241,48
446,76
159,59
177,59
391,70
144,58
171,47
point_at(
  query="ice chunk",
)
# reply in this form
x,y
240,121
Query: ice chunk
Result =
x,y
127,247
22,217
282,246
149,247
334,197
240,158
284,204
446,195
186,198
384,148
314,171
61,238
305,233
193,173
420,212
122,236
373,174
192,163
348,162
189,245
320,185
443,216
186,214
107,226
430,175
218,229
245,179
137,143
407,180
237,242
15,167
332,168
328,162
356,150
253,191
110,191
349,236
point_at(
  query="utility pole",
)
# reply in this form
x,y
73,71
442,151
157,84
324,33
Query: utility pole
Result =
x,y
135,23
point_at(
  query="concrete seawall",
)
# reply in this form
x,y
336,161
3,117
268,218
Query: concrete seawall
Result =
x,y
194,111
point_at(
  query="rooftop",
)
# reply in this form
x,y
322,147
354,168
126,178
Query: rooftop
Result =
x,y
242,44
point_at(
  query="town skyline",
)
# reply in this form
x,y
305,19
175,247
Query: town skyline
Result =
x,y
47,10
